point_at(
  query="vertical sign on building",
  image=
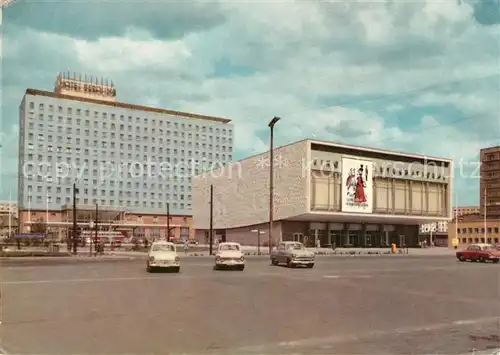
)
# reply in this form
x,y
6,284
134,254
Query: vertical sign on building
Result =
x,y
357,186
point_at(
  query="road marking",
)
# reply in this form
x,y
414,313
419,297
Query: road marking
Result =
x,y
319,342
3,351
172,277
347,277
97,279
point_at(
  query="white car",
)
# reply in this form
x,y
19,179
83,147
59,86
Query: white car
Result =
x,y
163,255
229,255
292,254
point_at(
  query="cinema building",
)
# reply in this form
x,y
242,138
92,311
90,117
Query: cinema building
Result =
x,y
343,195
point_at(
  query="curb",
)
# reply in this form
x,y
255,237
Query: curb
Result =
x,y
342,253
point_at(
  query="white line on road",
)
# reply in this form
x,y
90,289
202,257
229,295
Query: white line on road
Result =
x,y
172,278
96,279
3,351
347,277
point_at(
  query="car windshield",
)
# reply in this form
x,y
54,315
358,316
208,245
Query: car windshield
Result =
x,y
162,247
296,246
488,247
230,247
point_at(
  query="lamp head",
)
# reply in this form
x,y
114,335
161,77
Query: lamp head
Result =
x,y
274,121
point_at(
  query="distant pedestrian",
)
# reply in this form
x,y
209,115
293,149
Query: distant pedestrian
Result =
x,y
186,246
318,243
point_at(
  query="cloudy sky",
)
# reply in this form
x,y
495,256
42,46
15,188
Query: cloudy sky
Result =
x,y
418,76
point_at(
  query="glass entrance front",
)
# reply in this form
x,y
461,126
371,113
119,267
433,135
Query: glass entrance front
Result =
x,y
353,239
368,240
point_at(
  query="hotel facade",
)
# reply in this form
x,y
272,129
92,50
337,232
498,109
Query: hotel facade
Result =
x,y
130,160
338,194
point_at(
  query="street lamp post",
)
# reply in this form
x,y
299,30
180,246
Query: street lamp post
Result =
x,y
211,235
168,222
96,239
167,233
91,227
271,180
74,238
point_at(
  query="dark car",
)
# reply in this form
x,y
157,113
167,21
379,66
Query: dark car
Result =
x,y
479,252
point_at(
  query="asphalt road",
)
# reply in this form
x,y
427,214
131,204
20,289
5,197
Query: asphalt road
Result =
x,y
342,306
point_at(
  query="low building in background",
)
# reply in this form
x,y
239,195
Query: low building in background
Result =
x,y
474,231
7,207
434,234
340,194
466,211
129,223
489,185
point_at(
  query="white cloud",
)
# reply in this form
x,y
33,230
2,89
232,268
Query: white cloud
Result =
x,y
117,54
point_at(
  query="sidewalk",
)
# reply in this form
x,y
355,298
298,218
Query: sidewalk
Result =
x,y
252,251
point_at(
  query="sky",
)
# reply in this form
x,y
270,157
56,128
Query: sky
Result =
x,y
415,76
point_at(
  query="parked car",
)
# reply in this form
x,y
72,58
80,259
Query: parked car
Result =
x,y
229,255
163,255
292,254
479,252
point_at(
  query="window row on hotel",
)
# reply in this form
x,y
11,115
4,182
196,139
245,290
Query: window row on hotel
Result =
x,y
105,144
112,193
146,157
48,173
119,203
145,121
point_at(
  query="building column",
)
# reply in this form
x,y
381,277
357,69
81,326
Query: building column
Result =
x,y
346,233
393,195
381,234
410,197
363,234
385,235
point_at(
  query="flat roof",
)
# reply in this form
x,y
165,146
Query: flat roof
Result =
x,y
377,150
495,148
340,145
35,92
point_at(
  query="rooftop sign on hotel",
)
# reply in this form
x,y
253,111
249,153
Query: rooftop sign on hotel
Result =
x,y
88,87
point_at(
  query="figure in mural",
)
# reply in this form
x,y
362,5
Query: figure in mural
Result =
x,y
359,195
351,185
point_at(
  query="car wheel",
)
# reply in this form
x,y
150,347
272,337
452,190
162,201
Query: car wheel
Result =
x,y
495,261
481,260
149,268
274,262
241,268
310,266
461,258
289,263
216,267
177,269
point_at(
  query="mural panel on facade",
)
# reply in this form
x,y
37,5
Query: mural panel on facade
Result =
x,y
357,185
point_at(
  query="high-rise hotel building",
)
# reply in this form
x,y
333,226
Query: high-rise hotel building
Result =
x,y
119,155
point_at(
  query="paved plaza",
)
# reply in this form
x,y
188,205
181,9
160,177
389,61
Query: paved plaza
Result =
x,y
345,305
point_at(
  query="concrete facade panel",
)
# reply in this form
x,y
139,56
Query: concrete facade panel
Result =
x,y
241,189
416,196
